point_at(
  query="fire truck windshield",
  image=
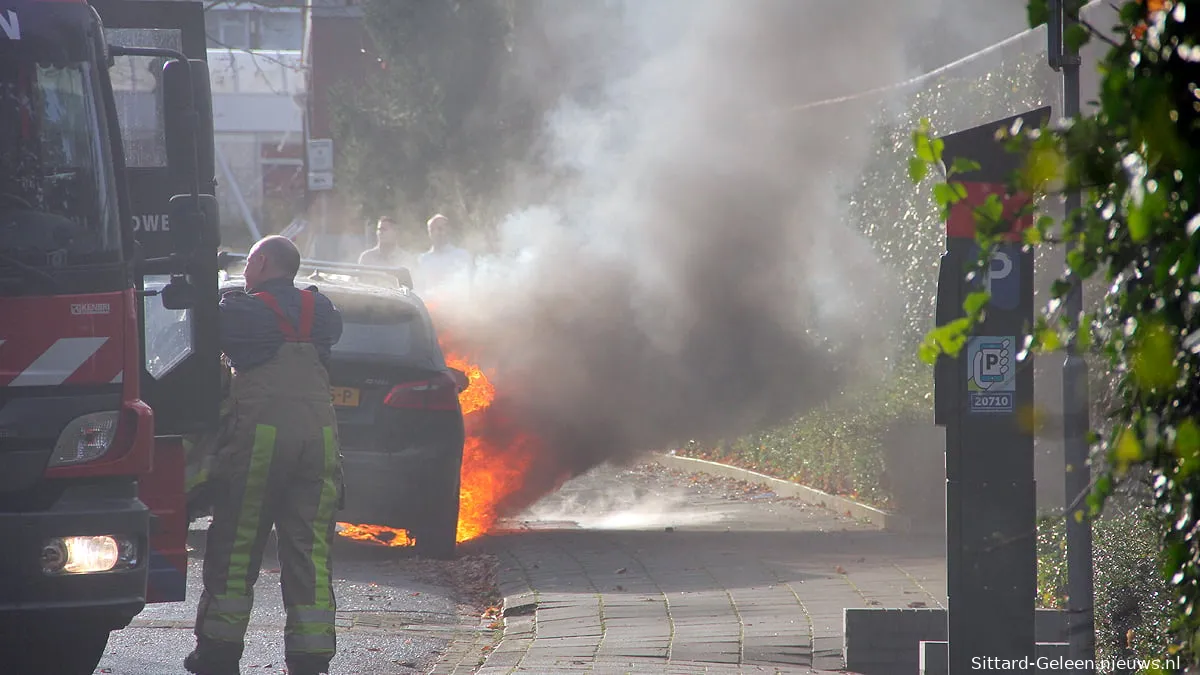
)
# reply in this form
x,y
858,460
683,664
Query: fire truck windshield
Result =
x,y
58,202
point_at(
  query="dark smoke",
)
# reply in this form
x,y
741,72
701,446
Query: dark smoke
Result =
x,y
689,273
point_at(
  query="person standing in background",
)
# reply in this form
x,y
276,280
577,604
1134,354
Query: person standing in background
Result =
x,y
443,262
387,252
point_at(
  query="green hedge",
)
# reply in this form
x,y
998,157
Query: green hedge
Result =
x,y
1130,592
838,447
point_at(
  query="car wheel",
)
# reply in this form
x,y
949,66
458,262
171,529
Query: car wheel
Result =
x,y
437,537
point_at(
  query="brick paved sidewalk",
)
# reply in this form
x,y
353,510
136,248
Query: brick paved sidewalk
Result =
x,y
763,596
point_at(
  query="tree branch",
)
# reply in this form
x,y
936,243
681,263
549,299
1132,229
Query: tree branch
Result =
x,y
1097,33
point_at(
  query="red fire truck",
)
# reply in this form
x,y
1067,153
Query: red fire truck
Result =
x,y
108,301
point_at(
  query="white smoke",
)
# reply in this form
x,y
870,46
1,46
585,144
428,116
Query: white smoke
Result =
x,y
687,269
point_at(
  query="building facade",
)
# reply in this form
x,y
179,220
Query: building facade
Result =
x,y
259,89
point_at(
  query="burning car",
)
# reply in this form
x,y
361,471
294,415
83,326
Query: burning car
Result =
x,y
400,424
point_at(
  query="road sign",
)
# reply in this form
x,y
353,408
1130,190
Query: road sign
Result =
x,y
320,155
320,180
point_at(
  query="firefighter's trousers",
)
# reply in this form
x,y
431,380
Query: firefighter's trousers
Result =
x,y
280,468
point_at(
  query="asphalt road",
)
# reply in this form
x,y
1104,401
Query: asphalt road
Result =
x,y
649,570
396,614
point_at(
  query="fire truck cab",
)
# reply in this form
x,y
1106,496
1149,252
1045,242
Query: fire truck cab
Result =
x,y
108,315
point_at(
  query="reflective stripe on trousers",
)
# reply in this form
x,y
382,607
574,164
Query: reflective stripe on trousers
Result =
x,y
226,616
310,629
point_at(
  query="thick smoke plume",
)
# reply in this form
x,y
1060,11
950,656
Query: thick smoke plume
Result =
x,y
688,272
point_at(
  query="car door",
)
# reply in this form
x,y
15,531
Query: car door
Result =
x,y
180,353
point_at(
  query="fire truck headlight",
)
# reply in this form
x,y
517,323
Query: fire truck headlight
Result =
x,y
88,555
85,438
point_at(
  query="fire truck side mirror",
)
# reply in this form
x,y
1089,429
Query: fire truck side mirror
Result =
x,y
194,224
188,123
179,294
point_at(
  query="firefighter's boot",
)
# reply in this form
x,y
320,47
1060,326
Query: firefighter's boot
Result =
x,y
212,657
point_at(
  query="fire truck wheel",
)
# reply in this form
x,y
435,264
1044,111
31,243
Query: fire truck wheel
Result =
x,y
42,649
437,535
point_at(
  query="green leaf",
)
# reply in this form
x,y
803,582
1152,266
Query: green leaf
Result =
x,y
963,165
929,352
990,213
1131,12
1187,447
1032,236
1153,361
917,169
1049,339
1038,12
951,337
1142,217
938,146
947,194
922,146
1083,337
1075,260
975,302
1076,36
1044,166
1127,450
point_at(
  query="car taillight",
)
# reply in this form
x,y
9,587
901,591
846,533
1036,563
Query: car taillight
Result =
x,y
437,393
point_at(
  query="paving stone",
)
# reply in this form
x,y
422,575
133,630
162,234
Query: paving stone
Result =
x,y
766,596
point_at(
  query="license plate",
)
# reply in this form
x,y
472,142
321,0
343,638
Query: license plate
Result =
x,y
345,397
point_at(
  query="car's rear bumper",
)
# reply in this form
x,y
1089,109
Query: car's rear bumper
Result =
x,y
113,598
396,488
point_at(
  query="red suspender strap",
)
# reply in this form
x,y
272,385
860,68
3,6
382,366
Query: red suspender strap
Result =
x,y
285,326
307,306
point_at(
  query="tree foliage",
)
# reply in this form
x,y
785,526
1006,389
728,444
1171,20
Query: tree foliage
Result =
x,y
1136,157
430,128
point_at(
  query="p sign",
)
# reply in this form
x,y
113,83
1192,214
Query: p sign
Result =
x,y
1003,280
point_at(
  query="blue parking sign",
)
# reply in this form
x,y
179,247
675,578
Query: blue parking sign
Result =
x,y
1004,276
991,374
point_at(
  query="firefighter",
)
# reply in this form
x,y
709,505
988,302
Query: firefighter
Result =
x,y
280,467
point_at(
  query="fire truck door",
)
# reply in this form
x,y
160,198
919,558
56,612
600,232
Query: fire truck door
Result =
x,y
180,374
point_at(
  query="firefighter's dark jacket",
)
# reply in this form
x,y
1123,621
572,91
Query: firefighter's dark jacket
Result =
x,y
250,333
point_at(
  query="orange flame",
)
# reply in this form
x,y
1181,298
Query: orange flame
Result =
x,y
375,534
490,472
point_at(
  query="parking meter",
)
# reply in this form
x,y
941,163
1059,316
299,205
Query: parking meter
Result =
x,y
983,397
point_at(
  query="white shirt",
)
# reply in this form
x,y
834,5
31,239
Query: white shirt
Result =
x,y
438,267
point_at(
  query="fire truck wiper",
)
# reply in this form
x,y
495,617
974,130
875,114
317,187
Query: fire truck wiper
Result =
x,y
28,270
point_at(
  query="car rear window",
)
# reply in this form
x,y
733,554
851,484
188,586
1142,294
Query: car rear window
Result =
x,y
379,329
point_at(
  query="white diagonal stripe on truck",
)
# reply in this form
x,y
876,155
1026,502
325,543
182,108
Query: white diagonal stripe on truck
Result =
x,y
58,362
117,379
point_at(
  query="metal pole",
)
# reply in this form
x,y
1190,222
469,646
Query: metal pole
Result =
x,y
1076,423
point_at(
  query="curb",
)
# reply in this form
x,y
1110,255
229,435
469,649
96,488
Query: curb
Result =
x,y
884,520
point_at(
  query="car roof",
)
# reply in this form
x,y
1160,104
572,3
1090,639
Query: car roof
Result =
x,y
428,353
342,285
